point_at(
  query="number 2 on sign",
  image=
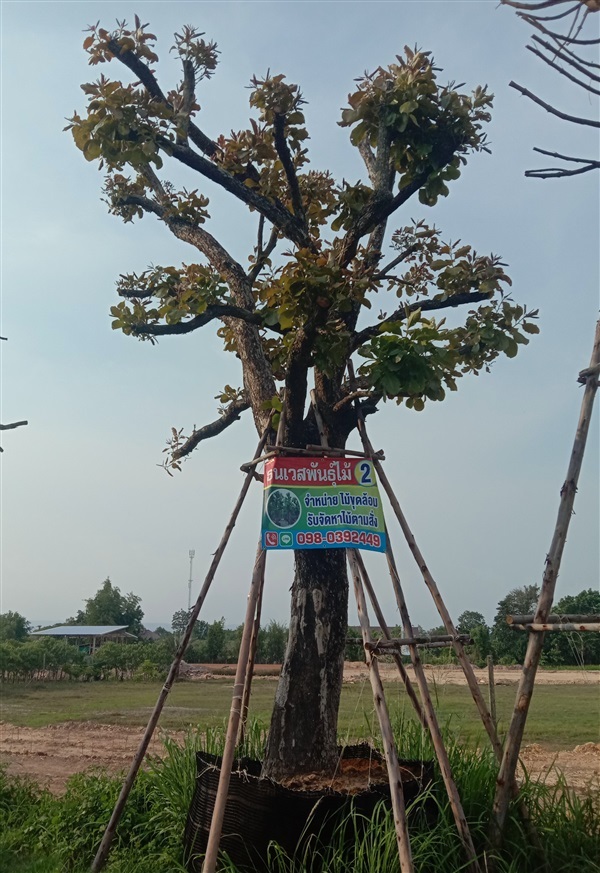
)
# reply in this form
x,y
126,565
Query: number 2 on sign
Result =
x,y
365,474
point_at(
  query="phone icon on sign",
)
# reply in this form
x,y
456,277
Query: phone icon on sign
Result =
x,y
272,538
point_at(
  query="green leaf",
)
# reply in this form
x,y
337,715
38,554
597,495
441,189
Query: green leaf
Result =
x,y
528,327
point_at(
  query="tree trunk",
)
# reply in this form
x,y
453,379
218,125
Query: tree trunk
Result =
x,y
303,732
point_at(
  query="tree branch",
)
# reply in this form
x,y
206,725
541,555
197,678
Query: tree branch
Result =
x,y
273,210
557,52
212,312
146,77
401,257
560,70
288,165
425,306
226,419
377,211
262,256
189,83
13,424
559,172
575,119
531,7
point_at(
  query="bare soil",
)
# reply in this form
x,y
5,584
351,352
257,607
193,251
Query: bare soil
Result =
x,y
50,755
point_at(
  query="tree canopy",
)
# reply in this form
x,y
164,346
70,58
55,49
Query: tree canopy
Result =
x,y
109,606
284,315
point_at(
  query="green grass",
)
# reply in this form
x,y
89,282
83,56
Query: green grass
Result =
x,y
560,716
40,833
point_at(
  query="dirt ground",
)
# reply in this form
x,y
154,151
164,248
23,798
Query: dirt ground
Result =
x,y
51,754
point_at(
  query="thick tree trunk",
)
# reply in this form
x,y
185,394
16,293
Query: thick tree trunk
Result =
x,y
303,733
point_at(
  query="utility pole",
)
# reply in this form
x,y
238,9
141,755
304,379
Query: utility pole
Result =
x,y
192,552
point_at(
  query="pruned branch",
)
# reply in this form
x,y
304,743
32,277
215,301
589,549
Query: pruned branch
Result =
x,y
425,306
559,172
212,312
263,255
380,208
562,72
573,61
272,209
288,165
398,260
189,82
226,419
588,122
146,77
13,424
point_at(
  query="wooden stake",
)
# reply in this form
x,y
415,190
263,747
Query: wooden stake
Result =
x,y
492,690
432,722
514,736
250,665
555,619
541,627
412,695
104,848
216,825
391,758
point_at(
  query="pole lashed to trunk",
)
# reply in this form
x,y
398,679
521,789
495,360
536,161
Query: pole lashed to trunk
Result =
x,y
535,644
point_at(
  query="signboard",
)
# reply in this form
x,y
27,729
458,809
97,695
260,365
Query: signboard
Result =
x,y
322,503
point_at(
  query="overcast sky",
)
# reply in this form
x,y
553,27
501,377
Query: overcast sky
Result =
x,y
478,475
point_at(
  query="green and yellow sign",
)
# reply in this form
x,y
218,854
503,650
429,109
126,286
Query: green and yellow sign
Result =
x,y
322,503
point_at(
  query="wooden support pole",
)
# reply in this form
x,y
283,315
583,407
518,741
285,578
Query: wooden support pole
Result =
x,y
432,722
412,695
441,639
391,758
492,690
216,825
514,736
542,627
555,619
434,591
104,848
250,665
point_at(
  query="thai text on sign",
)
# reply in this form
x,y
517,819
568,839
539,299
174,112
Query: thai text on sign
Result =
x,y
322,503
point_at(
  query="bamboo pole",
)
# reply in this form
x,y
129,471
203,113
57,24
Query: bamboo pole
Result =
x,y
105,844
514,736
391,758
250,665
216,825
310,452
492,690
443,639
432,722
427,704
554,619
544,627
412,695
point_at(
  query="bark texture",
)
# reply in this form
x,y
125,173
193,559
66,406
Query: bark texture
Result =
x,y
303,733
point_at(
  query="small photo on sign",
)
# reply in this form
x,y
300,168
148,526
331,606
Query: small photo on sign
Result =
x,y
283,507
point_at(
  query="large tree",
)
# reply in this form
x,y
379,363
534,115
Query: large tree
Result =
x,y
109,606
296,315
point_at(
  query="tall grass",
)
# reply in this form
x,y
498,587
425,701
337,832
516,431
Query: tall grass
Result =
x,y
41,833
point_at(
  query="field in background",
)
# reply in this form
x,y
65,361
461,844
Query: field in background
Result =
x,y
561,716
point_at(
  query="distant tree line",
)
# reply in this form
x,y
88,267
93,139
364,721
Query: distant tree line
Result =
x,y
23,658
